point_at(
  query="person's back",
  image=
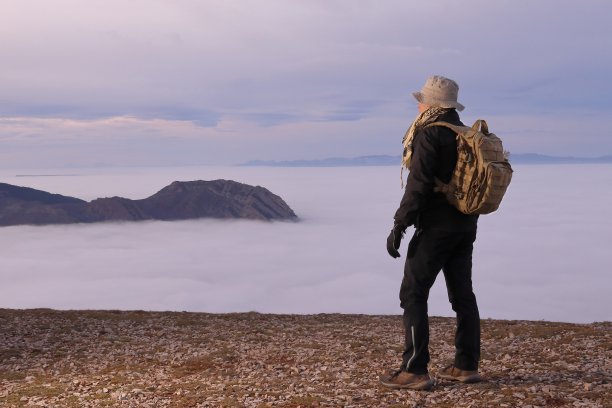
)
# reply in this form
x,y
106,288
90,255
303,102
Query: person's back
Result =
x,y
438,213
443,240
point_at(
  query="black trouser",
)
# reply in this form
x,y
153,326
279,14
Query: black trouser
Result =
x,y
429,252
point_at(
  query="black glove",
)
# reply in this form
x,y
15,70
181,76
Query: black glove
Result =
x,y
394,240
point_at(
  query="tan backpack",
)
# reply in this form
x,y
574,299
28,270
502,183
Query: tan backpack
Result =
x,y
483,172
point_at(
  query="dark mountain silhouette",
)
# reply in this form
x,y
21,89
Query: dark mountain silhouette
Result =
x,y
383,160
380,160
180,200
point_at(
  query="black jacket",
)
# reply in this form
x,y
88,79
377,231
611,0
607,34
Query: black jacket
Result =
x,y
434,156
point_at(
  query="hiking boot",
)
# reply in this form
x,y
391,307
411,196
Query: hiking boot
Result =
x,y
455,374
404,379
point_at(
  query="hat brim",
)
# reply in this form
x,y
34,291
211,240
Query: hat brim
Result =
x,y
434,102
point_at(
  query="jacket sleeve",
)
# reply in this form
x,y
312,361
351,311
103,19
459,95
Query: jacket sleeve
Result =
x,y
421,179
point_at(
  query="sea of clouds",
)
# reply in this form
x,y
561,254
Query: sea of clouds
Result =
x,y
544,255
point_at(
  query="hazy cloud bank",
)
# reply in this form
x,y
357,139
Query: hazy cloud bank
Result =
x,y
543,256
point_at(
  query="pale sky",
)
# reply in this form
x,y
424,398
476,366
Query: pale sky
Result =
x,y
170,82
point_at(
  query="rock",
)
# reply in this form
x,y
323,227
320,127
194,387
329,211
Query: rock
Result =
x,y
178,359
181,200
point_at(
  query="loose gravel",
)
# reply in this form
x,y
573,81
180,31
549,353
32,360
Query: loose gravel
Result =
x,y
51,358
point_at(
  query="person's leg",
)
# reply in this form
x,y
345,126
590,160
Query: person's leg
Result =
x,y
427,252
458,275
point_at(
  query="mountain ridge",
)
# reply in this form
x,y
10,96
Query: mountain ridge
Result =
x,y
388,160
180,200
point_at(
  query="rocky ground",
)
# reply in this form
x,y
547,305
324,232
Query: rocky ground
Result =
x,y
159,359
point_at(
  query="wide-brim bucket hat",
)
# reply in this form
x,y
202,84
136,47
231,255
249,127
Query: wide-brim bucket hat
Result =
x,y
439,91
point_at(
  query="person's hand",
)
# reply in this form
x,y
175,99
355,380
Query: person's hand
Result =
x,y
393,241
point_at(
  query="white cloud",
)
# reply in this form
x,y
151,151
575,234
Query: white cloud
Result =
x,y
544,255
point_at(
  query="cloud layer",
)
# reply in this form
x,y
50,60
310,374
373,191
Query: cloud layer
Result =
x,y
544,255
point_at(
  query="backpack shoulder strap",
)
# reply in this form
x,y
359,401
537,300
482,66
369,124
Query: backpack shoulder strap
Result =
x,y
454,128
479,126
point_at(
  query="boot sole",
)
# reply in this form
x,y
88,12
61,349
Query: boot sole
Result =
x,y
422,386
468,379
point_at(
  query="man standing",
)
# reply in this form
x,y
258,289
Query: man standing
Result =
x,y
443,240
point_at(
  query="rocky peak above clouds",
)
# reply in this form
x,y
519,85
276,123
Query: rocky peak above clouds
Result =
x,y
180,200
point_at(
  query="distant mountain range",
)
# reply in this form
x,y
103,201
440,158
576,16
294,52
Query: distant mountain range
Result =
x,y
180,200
330,162
383,160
